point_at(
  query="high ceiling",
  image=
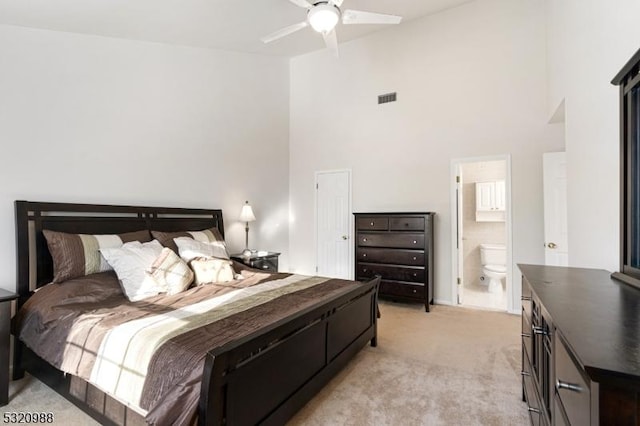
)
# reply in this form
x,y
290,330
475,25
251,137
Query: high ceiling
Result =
x,y
235,25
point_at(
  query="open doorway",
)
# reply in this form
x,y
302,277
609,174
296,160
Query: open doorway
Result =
x,y
482,234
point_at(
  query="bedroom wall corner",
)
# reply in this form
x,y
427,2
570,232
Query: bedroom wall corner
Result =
x,y
471,82
109,121
588,43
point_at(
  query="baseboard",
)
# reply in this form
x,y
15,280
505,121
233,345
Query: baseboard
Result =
x,y
442,302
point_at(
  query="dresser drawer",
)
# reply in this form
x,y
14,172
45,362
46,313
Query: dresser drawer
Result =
x,y
267,264
559,417
530,393
390,288
394,256
527,336
406,224
391,240
572,390
401,273
526,298
373,223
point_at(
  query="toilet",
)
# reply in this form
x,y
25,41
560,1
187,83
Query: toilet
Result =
x,y
494,265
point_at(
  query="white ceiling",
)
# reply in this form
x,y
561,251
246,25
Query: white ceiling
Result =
x,y
235,25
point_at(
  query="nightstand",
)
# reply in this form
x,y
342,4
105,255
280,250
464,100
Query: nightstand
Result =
x,y
5,318
266,262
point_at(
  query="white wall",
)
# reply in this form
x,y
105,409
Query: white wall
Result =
x,y
471,82
589,42
100,120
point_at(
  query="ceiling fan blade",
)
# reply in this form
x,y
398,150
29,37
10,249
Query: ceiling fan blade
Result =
x,y
361,17
302,3
284,32
337,2
331,40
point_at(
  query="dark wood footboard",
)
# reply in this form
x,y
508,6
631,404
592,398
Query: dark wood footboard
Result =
x,y
269,375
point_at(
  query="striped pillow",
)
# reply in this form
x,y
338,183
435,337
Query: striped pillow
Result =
x,y
171,272
211,235
211,270
77,255
189,249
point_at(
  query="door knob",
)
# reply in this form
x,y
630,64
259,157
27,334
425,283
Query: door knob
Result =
x,y
552,245
345,237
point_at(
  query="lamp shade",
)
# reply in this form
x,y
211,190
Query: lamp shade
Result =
x,y
246,215
323,18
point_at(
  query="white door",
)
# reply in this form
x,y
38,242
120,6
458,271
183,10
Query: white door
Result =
x,y
556,250
333,224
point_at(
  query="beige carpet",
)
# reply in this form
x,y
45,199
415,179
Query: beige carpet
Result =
x,y
453,366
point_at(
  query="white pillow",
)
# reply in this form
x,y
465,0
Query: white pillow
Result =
x,y
131,262
190,249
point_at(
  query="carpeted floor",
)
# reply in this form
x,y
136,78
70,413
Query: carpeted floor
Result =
x,y
451,366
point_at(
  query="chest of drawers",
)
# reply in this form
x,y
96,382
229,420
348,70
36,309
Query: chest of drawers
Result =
x,y
399,248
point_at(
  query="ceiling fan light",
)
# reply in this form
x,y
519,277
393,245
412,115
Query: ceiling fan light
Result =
x,y
323,18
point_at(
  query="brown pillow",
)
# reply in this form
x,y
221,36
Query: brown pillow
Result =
x,y
77,255
210,235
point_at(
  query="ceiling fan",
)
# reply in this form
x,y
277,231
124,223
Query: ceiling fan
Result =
x,y
323,16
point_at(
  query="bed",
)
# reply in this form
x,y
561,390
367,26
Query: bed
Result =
x,y
262,373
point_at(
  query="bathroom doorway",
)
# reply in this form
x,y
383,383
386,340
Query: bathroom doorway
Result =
x,y
481,218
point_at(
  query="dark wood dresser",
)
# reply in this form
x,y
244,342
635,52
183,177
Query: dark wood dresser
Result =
x,y
580,347
398,247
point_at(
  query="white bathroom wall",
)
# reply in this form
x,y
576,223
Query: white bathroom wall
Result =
x,y
588,43
474,232
471,82
100,120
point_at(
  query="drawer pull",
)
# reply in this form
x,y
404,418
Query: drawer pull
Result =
x,y
265,266
372,223
525,373
406,224
527,335
534,410
415,242
540,330
415,258
415,275
364,255
525,298
364,239
415,291
364,270
568,386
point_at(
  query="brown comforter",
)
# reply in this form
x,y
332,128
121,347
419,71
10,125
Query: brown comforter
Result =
x,y
65,324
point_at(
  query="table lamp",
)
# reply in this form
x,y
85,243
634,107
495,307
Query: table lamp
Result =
x,y
246,216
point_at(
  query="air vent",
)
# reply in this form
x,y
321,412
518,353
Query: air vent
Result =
x,y
386,98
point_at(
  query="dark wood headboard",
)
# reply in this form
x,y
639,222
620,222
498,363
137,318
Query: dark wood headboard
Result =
x,y
34,263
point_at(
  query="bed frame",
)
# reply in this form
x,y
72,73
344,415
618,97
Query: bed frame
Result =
x,y
277,369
